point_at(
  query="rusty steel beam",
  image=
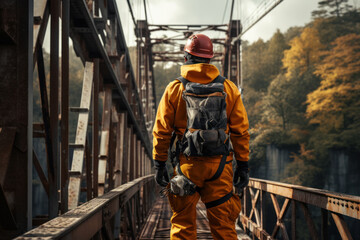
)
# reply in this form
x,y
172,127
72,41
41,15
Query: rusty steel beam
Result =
x,y
64,152
309,221
93,42
95,127
80,139
86,220
54,108
44,106
41,173
344,204
88,165
16,108
341,226
105,138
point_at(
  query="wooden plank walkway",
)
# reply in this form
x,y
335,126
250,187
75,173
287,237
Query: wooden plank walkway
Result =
x,y
158,223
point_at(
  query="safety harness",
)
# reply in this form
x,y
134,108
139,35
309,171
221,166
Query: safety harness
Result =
x,y
204,136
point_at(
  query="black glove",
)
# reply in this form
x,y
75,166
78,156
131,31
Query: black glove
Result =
x,y
161,174
241,176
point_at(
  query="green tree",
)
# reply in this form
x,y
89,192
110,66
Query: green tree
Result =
x,y
255,74
274,54
332,8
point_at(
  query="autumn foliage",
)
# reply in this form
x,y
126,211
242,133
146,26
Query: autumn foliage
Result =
x,y
310,98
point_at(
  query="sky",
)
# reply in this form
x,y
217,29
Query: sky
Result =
x,y
287,14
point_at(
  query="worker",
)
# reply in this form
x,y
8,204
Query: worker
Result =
x,y
223,206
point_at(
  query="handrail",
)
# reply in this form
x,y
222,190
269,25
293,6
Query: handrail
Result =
x,y
337,204
89,218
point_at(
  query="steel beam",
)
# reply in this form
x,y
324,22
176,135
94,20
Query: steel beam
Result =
x,y
86,220
54,108
64,156
80,139
16,71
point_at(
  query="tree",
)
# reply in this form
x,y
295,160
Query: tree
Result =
x,y
332,7
277,101
303,53
255,74
274,54
336,103
304,170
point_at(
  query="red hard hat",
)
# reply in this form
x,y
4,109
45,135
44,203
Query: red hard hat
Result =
x,y
199,45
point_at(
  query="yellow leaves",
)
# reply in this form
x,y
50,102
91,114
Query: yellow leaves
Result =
x,y
304,52
343,60
340,73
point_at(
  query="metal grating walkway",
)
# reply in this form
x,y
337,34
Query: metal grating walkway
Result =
x,y
158,223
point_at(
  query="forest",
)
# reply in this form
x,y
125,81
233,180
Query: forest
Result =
x,y
301,91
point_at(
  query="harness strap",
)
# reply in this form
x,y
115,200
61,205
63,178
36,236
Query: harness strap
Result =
x,y
219,201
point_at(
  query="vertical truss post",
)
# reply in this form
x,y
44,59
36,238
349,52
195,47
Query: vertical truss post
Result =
x,y
88,166
113,147
16,121
131,155
95,126
105,137
80,139
65,105
125,166
120,150
54,107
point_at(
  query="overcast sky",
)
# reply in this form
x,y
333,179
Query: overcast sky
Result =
x,y
287,14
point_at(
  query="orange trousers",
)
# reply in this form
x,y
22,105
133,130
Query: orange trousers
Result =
x,y
222,217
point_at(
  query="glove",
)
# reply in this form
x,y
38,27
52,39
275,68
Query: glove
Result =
x,y
241,176
161,174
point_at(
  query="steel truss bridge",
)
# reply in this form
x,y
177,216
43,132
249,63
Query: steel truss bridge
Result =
x,y
111,161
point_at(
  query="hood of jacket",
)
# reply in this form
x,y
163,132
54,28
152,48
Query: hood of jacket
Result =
x,y
203,73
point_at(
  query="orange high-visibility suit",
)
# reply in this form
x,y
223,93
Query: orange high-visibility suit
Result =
x,y
171,116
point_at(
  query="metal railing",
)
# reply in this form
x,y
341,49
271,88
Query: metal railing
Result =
x,y
118,213
330,203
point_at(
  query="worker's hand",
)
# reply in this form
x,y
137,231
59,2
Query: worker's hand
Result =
x,y
241,176
161,174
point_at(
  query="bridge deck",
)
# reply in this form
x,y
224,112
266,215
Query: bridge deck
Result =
x,y
158,223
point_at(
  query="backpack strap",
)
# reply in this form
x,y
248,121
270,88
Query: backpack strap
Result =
x,y
218,79
183,80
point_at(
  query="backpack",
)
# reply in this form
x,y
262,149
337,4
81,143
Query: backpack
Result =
x,y
206,119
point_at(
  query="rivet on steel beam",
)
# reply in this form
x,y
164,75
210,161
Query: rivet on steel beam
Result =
x,y
37,20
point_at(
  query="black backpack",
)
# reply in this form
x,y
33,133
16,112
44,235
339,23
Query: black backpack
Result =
x,y
206,119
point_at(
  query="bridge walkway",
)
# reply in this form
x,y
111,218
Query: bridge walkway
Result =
x,y
158,222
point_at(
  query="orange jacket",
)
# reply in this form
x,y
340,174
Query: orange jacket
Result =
x,y
171,114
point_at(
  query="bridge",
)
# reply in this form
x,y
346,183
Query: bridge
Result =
x,y
108,190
